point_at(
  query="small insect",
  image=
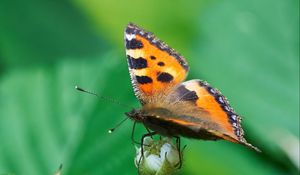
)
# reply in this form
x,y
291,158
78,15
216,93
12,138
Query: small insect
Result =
x,y
170,107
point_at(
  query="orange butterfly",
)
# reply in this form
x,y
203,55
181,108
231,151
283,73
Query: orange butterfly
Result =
x,y
171,107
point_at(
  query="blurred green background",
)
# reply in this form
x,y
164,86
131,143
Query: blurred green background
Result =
x,y
247,49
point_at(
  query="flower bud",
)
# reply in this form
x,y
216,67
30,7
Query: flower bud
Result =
x,y
160,157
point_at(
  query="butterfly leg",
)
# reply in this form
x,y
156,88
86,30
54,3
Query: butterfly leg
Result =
x,y
179,152
132,134
150,134
181,156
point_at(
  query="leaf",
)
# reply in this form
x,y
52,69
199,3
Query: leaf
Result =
x,y
48,122
40,32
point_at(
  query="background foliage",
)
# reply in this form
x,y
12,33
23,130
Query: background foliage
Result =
x,y
247,49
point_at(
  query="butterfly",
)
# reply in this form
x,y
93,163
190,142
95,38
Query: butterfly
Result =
x,y
171,107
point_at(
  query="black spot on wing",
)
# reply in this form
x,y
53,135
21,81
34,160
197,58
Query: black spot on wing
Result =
x,y
186,95
152,57
143,79
161,63
138,63
164,77
133,44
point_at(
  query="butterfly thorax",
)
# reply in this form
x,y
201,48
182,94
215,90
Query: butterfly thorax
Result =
x,y
136,115
146,112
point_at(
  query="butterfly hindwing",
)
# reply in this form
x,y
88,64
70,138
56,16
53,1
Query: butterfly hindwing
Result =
x,y
154,67
207,108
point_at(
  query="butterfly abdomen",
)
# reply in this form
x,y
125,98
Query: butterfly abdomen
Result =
x,y
164,122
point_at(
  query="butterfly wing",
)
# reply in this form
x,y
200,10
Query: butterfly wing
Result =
x,y
192,107
198,105
154,67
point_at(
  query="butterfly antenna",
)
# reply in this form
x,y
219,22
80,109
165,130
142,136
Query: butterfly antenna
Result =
x,y
102,97
107,99
119,124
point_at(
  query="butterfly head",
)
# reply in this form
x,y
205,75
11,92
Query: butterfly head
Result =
x,y
136,115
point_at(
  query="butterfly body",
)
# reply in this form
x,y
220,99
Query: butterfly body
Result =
x,y
154,119
171,107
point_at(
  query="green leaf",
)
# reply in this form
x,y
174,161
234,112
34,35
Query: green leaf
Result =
x,y
45,121
40,32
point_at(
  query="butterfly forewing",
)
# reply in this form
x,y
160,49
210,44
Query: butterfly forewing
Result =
x,y
154,67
